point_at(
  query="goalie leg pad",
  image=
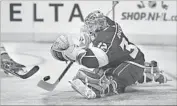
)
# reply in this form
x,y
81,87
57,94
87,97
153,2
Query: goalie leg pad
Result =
x,y
90,75
81,88
100,85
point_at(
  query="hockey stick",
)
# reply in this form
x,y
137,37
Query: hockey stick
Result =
x,y
27,75
115,3
50,87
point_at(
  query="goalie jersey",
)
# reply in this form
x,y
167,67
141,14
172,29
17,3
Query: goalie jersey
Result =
x,y
110,48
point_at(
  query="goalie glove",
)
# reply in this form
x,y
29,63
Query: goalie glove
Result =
x,y
60,44
64,49
73,52
58,55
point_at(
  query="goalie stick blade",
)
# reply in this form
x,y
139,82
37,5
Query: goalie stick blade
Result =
x,y
46,86
50,87
27,75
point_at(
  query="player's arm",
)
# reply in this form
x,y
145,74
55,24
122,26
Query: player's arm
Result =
x,y
91,57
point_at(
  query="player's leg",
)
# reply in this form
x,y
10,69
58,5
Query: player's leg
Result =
x,y
105,82
126,74
151,70
7,63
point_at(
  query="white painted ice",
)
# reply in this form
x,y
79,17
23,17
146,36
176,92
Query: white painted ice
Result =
x,y
17,91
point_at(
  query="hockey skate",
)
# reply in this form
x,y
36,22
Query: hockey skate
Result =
x,y
152,74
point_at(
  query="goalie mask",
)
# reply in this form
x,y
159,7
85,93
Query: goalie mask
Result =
x,y
96,21
87,35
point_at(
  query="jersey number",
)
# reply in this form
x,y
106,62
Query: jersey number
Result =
x,y
131,48
103,46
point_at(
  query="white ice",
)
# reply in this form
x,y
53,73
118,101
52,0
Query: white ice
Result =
x,y
17,91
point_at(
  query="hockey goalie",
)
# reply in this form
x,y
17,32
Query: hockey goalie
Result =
x,y
117,62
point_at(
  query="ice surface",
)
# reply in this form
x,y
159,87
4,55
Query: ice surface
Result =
x,y
17,91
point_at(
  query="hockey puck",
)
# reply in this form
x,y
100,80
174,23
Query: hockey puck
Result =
x,y
46,78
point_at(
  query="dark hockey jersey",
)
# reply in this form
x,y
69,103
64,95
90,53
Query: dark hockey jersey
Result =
x,y
110,48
